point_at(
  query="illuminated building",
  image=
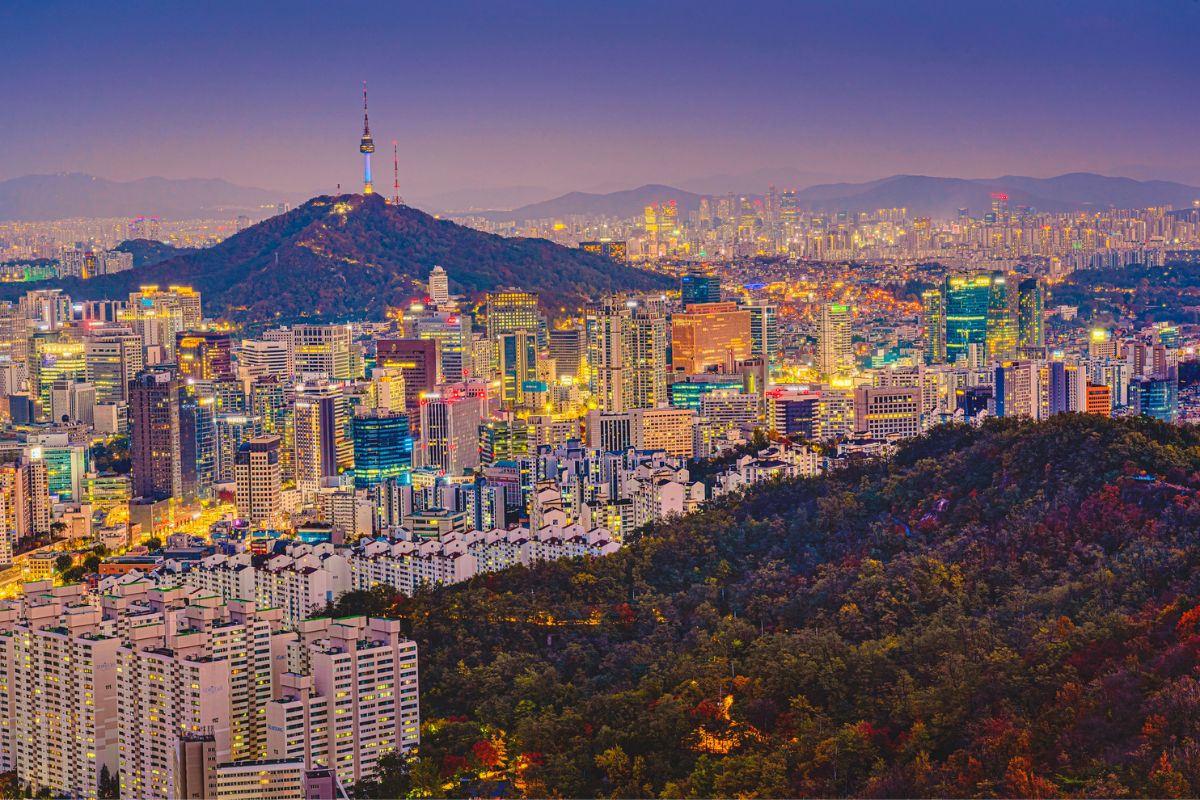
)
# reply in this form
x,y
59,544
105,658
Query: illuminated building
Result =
x,y
325,351
567,348
699,286
439,287
72,401
197,444
366,146
882,412
794,414
1001,333
1099,400
933,306
233,430
355,700
260,357
668,429
835,346
512,311
418,362
1156,397
158,316
112,360
764,330
452,331
323,444
967,298
518,367
710,336
57,356
203,355
646,358
449,437
383,448
258,478
503,440
1031,330
688,392
617,251
154,423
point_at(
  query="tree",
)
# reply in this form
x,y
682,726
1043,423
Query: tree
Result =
x,y
63,563
92,562
109,785
153,543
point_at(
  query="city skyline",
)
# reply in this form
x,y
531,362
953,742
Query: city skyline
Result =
x,y
529,99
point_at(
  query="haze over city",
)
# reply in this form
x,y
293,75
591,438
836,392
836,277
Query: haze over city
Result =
x,y
554,96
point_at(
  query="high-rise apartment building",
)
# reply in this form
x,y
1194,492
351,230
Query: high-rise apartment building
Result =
x,y
113,358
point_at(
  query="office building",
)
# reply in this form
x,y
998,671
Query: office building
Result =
x,y
154,440
383,447
258,477
710,336
883,412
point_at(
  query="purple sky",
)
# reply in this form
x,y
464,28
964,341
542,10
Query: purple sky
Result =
x,y
571,95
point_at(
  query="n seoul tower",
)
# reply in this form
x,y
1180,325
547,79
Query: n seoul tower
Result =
x,y
366,147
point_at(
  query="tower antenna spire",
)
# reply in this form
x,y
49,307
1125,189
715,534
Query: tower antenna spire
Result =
x,y
366,146
396,200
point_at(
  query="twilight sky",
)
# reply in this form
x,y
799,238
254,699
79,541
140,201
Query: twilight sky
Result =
x,y
565,94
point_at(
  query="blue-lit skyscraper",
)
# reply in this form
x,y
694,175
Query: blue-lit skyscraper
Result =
x,y
699,287
383,448
967,300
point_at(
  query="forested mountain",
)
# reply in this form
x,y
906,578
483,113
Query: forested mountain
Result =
x,y
353,257
1009,610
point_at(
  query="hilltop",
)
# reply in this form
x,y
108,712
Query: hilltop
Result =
x,y
1009,610
353,257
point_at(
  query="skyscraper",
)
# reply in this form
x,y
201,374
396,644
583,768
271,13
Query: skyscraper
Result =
x,y
764,330
967,299
439,287
518,366
1001,336
699,286
512,310
383,448
835,351
258,478
1031,331
154,420
417,360
450,432
197,442
204,355
323,444
709,336
933,306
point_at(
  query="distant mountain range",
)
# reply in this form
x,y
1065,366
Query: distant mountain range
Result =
x,y
353,257
627,203
922,195
73,194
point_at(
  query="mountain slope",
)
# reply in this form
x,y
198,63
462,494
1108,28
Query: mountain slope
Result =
x,y
628,203
352,257
42,197
1000,611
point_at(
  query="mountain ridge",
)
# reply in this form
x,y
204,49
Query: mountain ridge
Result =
x,y
354,257
68,195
